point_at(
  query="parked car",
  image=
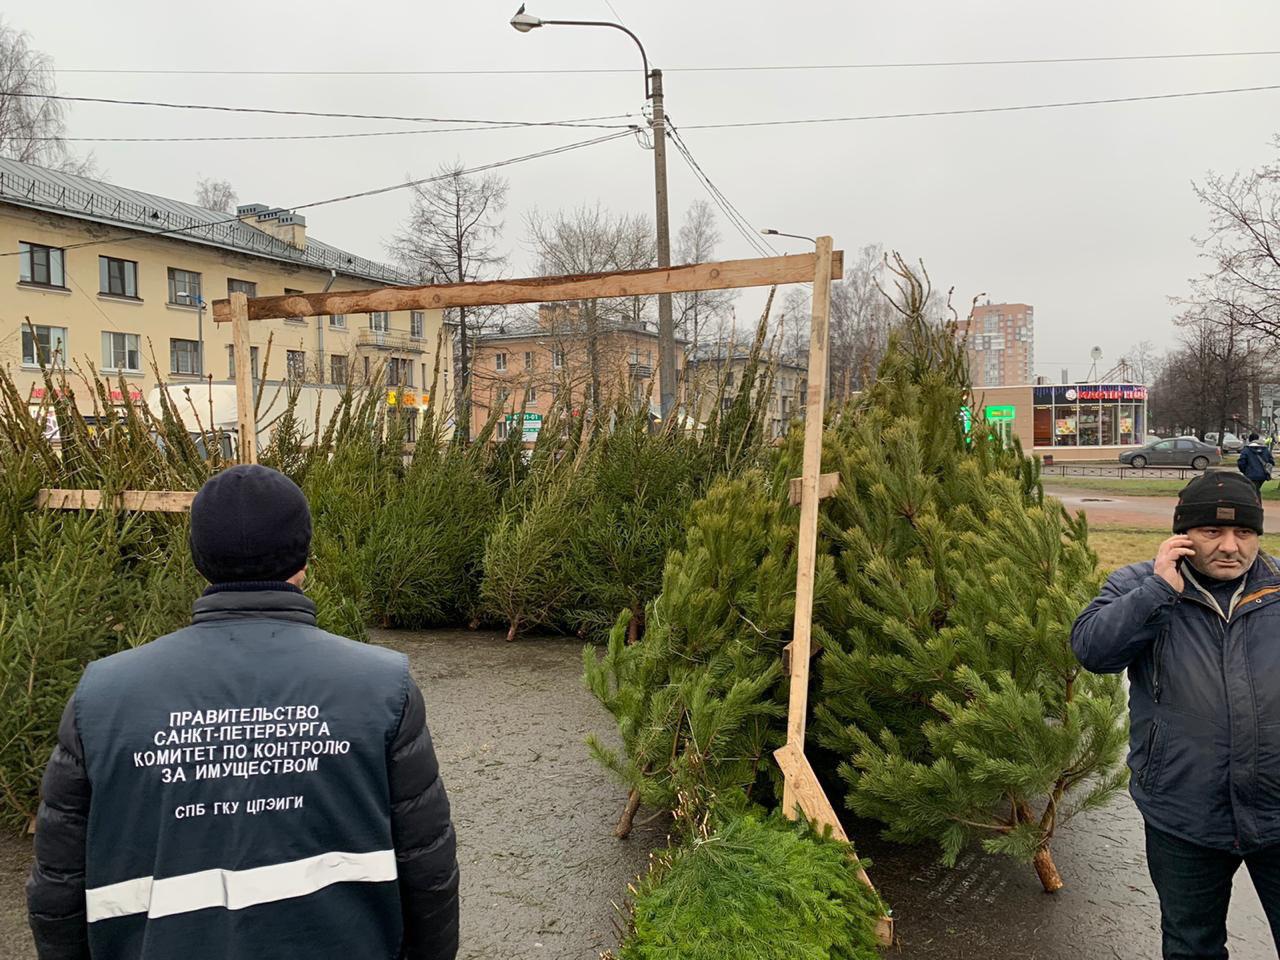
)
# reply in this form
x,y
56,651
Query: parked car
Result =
x,y
1179,452
1229,443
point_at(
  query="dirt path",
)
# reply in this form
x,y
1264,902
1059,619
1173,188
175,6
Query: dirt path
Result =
x,y
534,812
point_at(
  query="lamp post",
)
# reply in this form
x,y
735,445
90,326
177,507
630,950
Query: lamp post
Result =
x,y
198,303
525,22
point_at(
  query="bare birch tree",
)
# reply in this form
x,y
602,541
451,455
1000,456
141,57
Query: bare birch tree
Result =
x,y
216,195
451,236
701,314
32,127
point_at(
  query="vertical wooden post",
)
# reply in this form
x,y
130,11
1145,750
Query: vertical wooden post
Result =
x,y
248,427
807,542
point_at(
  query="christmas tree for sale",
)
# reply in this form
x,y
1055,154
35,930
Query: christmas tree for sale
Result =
x,y
700,700
947,681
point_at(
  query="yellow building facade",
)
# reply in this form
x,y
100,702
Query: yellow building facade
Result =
x,y
112,280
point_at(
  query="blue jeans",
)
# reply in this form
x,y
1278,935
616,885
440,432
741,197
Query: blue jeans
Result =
x,y
1194,886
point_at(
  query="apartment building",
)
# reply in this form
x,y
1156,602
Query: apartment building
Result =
x,y
558,360
1000,341
717,376
113,279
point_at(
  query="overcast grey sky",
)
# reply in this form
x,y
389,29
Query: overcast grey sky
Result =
x,y
1085,212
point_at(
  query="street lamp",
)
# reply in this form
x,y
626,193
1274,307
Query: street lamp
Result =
x,y
525,22
198,302
769,232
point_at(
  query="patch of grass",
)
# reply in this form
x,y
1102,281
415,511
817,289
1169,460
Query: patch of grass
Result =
x,y
1138,487
1120,547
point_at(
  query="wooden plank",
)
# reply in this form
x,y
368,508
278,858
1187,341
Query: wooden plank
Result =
x,y
812,801
788,652
827,484
727,274
248,427
807,539
154,501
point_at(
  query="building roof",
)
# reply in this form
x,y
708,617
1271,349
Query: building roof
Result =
x,y
39,188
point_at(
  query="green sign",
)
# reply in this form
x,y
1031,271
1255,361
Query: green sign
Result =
x,y
999,413
530,427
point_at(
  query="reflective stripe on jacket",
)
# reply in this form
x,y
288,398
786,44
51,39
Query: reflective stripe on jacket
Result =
x,y
1204,700
247,787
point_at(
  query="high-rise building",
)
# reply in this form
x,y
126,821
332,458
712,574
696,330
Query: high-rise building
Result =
x,y
1000,340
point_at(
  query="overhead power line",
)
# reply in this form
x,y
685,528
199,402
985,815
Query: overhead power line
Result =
x,y
725,68
584,122
301,136
966,111
482,168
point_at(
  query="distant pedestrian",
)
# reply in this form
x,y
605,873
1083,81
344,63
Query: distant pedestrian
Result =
x,y
249,786
1198,630
1256,461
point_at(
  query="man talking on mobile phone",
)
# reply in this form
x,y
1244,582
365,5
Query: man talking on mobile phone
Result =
x,y
1198,629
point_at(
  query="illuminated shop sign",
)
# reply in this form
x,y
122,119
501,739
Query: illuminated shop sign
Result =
x,y
1064,395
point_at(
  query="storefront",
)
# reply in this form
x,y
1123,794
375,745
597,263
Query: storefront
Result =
x,y
1078,421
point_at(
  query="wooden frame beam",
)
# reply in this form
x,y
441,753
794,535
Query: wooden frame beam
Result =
x,y
152,501
727,274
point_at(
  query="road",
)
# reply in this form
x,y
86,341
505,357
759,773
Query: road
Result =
x,y
1113,510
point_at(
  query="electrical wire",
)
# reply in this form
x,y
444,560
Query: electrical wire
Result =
x,y
222,108
735,216
968,111
740,68
482,168
274,137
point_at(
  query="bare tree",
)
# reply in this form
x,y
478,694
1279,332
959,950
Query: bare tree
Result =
x,y
32,127
451,236
215,194
1243,244
700,311
593,240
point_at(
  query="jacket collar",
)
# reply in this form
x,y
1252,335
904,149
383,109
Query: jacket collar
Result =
x,y
271,601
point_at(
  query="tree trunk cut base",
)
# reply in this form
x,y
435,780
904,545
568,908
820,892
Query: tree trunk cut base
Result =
x,y
1047,871
633,630
513,630
623,829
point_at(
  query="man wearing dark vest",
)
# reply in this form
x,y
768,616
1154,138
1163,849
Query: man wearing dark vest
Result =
x,y
249,786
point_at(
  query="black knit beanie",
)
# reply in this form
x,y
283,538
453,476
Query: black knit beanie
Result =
x,y
1218,498
250,523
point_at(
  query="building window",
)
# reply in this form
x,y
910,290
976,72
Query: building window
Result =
x,y
502,395
247,287
379,322
294,293
417,323
120,352
231,362
116,277
500,362
48,346
528,359
399,373
41,265
338,321
531,395
338,370
557,358
183,356
366,369
184,287
502,430
295,365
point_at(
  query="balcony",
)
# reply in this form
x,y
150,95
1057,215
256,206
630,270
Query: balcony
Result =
x,y
641,371
389,340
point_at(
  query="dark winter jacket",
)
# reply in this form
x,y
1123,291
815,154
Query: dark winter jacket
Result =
x,y
1254,460
1204,700
248,787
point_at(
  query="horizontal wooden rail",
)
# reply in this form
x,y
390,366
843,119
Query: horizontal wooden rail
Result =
x,y
728,274
154,501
